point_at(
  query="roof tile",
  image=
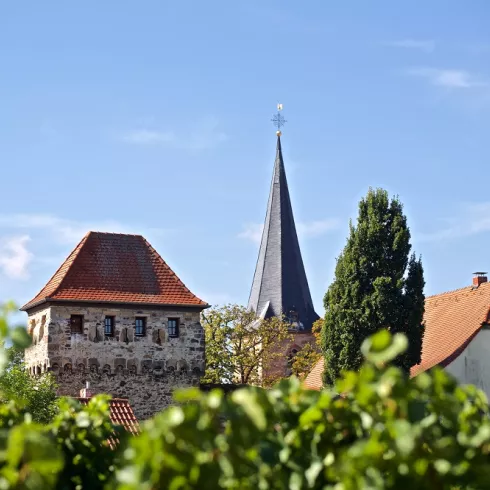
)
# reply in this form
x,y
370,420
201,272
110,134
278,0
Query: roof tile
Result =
x,y
451,320
121,413
116,268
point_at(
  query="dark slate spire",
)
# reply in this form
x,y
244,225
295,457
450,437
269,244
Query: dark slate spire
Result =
x,y
280,285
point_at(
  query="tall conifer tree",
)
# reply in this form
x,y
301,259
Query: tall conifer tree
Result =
x,y
378,284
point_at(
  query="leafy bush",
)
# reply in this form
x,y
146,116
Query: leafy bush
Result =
x,y
386,431
377,429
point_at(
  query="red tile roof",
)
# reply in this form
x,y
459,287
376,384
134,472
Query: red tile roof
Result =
x,y
121,413
451,320
314,379
116,268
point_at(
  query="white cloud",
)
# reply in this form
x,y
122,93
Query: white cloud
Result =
x,y
316,228
50,234
472,220
148,137
427,45
252,232
305,229
60,230
204,135
450,79
15,257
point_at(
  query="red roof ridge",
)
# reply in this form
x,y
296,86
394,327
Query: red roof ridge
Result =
x,y
112,233
468,289
116,268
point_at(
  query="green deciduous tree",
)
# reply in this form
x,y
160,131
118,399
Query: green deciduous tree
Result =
x,y
377,285
33,395
239,345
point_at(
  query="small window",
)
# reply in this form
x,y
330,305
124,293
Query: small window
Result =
x,y
76,324
173,327
140,326
43,320
109,326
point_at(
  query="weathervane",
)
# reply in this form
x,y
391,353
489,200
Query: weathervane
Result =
x,y
278,120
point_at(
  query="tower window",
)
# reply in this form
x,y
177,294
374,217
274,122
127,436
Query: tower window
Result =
x,y
173,327
76,323
109,326
140,326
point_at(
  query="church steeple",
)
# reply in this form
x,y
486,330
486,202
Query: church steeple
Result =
x,y
280,285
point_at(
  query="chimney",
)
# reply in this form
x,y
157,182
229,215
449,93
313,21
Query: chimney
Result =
x,y
85,392
480,278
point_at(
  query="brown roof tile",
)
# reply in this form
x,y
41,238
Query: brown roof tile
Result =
x,y
314,379
121,413
116,268
451,320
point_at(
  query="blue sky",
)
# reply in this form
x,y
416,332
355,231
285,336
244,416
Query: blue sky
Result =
x,y
153,117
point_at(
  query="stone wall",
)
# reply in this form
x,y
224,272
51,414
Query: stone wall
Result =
x,y
144,369
37,327
148,394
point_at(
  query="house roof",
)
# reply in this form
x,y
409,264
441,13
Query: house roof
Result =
x,y
451,320
314,380
280,284
121,413
116,268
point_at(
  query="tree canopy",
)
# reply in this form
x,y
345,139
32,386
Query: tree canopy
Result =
x,y
33,395
239,345
378,285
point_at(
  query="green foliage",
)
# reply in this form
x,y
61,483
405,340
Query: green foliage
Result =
x,y
85,435
238,344
72,450
304,361
35,395
378,285
386,431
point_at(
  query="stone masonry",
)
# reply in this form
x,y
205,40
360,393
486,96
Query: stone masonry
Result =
x,y
143,369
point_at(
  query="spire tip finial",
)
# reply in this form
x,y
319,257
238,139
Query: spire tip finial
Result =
x,y
278,120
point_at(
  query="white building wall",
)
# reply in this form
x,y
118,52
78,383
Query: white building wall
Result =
x,y
473,364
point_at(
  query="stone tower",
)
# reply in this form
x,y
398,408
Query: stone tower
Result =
x,y
116,315
279,285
